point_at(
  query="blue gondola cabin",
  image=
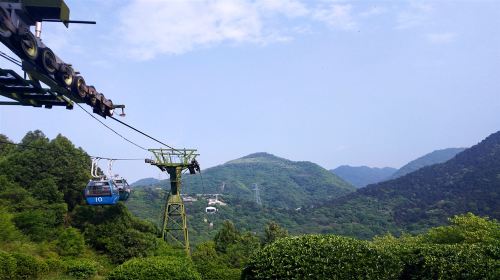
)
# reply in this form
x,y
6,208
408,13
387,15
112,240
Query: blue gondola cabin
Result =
x,y
123,188
101,192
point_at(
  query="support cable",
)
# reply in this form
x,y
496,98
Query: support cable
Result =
x,y
145,134
11,59
202,184
66,153
123,137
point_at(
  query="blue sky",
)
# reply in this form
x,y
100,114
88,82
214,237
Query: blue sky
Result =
x,y
374,83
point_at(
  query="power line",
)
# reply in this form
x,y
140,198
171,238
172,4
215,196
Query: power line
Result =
x,y
123,137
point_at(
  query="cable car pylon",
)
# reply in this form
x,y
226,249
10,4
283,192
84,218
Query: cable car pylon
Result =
x,y
174,228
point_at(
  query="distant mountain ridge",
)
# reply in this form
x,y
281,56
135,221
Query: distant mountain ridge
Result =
x,y
145,182
361,176
469,182
438,156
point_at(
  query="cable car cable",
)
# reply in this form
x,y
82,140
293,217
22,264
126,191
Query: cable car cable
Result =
x,y
66,153
145,134
11,59
123,137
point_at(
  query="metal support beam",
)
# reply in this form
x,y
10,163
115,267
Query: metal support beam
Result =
x,y
174,226
174,161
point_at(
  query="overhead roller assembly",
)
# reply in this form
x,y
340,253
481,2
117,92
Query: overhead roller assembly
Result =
x,y
48,80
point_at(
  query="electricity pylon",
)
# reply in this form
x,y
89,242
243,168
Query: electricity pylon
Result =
x,y
174,161
257,194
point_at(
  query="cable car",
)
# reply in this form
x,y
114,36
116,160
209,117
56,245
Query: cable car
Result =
x,y
210,210
123,188
101,192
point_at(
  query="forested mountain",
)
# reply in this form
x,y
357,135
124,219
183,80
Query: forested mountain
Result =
x,y
438,156
470,182
361,176
146,182
284,186
282,183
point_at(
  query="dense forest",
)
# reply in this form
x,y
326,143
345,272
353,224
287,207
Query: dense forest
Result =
x,y
47,232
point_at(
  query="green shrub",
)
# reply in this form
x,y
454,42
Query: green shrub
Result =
x,y
153,268
56,265
8,231
458,261
220,273
29,267
322,257
81,268
7,266
70,243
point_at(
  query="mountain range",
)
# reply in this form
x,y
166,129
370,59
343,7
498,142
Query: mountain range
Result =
x,y
361,176
306,198
469,182
438,156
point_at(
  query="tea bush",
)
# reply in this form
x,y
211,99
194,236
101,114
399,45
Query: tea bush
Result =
x,y
152,268
7,266
29,267
81,268
457,261
322,257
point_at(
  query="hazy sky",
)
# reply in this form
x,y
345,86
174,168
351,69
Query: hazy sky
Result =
x,y
374,83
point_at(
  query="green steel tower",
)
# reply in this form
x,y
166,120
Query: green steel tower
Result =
x,y
174,162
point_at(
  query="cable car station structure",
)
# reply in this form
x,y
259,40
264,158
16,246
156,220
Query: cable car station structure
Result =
x,y
49,81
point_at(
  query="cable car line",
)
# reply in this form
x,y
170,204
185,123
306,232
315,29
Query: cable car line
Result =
x,y
11,59
123,137
67,153
145,134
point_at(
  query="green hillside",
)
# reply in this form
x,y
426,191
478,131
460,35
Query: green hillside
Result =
x,y
438,156
145,182
284,186
470,182
282,183
361,176
47,231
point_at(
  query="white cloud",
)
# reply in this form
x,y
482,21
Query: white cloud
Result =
x,y
336,16
441,38
154,27
416,14
290,8
373,11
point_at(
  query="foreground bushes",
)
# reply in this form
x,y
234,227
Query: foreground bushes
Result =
x,y
322,257
439,261
335,257
20,266
81,269
152,268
